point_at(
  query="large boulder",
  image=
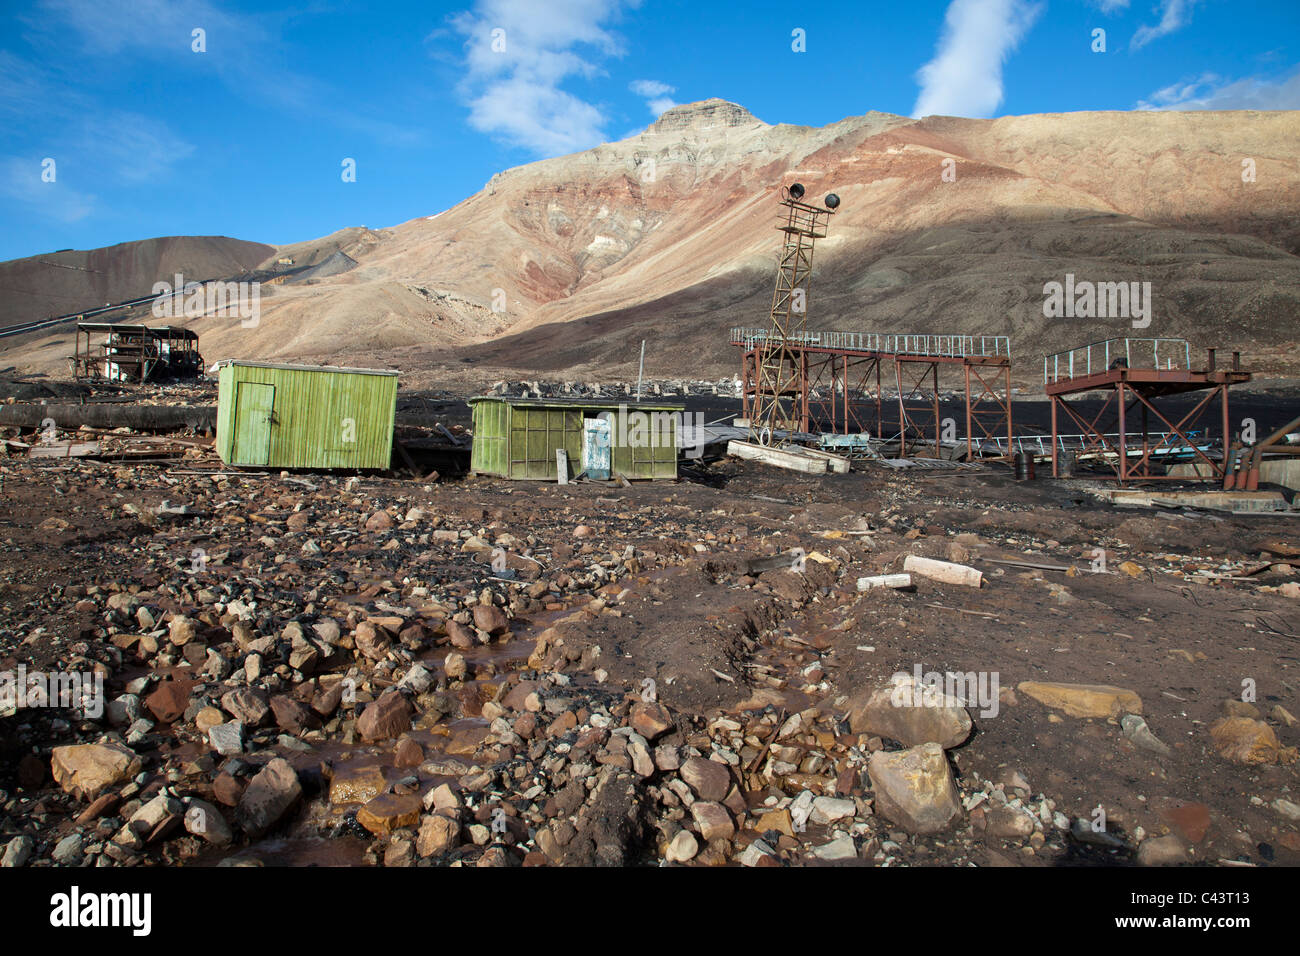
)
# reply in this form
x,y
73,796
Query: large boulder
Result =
x,y
205,821
709,779
1247,741
489,618
1083,700
650,719
270,795
385,718
914,789
247,706
86,769
910,713
437,835
714,821
390,811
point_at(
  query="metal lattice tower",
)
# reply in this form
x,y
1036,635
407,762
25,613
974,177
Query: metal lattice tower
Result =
x,y
780,372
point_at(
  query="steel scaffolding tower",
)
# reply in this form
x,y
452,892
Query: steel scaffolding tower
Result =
x,y
780,377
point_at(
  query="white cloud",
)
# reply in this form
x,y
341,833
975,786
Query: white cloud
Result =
x,y
655,94
1212,92
1174,14
649,88
538,116
519,53
965,76
1111,6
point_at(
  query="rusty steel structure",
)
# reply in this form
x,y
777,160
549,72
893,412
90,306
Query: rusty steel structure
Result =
x,y
1242,469
780,380
135,353
1131,376
890,386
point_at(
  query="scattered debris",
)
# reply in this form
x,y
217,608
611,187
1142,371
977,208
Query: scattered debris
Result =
x,y
367,670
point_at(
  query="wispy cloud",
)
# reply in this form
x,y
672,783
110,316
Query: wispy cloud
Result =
x,y
518,56
244,52
20,180
655,93
21,91
1174,14
137,148
1111,6
86,140
1212,92
162,26
965,76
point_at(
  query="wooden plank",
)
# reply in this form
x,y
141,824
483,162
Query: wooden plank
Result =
x,y
962,610
406,457
786,458
1029,564
64,449
837,464
562,466
140,455
202,444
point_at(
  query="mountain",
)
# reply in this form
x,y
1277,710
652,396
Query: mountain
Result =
x,y
561,267
57,283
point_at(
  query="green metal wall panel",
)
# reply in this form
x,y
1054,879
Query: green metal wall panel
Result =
x,y
254,419
320,417
534,436
645,444
516,438
488,454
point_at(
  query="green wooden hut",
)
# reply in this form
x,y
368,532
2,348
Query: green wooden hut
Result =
x,y
305,416
518,438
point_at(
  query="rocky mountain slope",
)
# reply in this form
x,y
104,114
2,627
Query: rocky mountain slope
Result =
x,y
561,267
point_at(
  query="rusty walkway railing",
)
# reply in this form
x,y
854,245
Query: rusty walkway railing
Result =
x,y
937,346
1160,354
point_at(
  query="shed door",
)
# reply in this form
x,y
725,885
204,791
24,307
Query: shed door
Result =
x,y
595,448
254,414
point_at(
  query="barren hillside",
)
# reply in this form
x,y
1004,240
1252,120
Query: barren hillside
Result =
x,y
57,283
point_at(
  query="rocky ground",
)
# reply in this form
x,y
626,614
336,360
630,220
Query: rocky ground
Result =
x,y
321,669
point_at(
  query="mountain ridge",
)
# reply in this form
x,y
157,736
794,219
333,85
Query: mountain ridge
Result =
x,y
669,235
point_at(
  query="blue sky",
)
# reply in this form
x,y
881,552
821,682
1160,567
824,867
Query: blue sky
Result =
x,y
248,138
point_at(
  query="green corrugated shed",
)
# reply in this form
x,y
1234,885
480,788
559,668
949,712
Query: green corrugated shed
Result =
x,y
305,416
518,437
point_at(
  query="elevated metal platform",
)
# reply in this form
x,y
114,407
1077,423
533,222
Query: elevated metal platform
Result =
x,y
835,383
1134,374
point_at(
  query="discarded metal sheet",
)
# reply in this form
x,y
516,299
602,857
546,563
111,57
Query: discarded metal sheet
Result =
x,y
931,464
